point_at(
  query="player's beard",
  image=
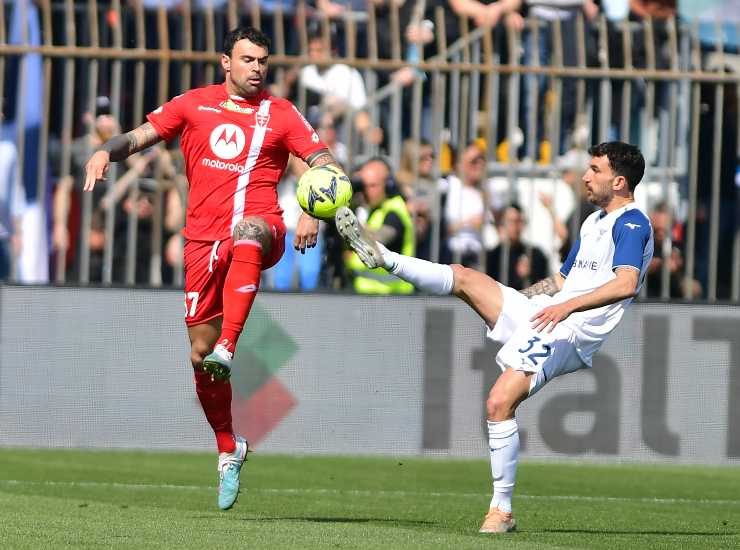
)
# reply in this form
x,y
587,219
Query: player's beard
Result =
x,y
597,199
247,89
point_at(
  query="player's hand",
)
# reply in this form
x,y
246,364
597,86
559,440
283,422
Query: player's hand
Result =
x,y
96,169
306,233
550,317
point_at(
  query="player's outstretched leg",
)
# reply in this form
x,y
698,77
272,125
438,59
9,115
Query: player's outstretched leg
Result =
x,y
366,247
424,275
229,469
478,290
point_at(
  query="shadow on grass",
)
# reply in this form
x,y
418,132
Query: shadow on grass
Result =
x,y
401,522
638,532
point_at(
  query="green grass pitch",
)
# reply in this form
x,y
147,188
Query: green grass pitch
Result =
x,y
97,499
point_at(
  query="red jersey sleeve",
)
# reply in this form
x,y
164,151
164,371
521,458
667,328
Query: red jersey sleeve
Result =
x,y
300,137
169,119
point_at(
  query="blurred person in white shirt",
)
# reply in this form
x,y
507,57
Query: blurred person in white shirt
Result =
x,y
465,209
12,206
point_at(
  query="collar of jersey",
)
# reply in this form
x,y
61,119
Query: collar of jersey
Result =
x,y
252,101
621,210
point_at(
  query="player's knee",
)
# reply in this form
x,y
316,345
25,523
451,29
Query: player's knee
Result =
x,y
198,351
253,228
499,405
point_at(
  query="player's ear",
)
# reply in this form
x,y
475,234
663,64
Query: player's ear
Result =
x,y
225,62
620,183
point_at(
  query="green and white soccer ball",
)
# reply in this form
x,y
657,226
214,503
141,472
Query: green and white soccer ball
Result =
x,y
322,190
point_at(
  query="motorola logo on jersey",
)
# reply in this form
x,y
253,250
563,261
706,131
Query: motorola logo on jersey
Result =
x,y
227,141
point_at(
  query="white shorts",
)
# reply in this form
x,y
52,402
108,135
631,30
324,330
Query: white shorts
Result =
x,y
545,354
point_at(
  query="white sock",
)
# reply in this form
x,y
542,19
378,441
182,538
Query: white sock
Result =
x,y
503,440
424,275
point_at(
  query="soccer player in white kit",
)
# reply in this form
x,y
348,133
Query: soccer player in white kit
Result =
x,y
553,327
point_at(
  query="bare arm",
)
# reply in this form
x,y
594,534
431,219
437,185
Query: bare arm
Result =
x,y
619,288
118,148
121,146
307,230
624,285
549,286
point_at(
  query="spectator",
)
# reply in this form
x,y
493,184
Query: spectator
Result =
x,y
572,166
389,223
548,203
416,181
485,13
656,9
337,88
139,205
729,193
268,13
12,205
679,286
67,215
328,134
465,207
545,13
658,13
147,187
338,11
526,263
417,18
294,270
174,223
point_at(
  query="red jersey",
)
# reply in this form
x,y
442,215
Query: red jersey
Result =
x,y
235,152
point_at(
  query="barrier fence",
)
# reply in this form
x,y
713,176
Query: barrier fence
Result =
x,y
527,94
112,371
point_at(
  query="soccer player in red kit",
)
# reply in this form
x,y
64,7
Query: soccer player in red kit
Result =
x,y
236,139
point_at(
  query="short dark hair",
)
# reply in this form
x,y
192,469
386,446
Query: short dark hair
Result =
x,y
255,36
516,206
624,159
382,160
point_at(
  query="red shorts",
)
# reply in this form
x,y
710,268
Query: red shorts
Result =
x,y
206,265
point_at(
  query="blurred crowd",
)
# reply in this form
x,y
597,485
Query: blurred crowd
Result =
x,y
436,198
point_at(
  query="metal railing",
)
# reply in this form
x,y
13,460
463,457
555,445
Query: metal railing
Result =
x,y
475,85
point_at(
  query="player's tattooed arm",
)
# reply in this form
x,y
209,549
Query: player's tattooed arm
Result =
x,y
549,286
123,145
321,158
116,149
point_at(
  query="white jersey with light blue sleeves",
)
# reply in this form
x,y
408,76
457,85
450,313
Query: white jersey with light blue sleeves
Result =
x,y
622,238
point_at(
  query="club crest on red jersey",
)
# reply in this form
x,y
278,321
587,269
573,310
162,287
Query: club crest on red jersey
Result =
x,y
262,120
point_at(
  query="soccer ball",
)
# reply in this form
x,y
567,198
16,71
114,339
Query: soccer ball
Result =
x,y
322,190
